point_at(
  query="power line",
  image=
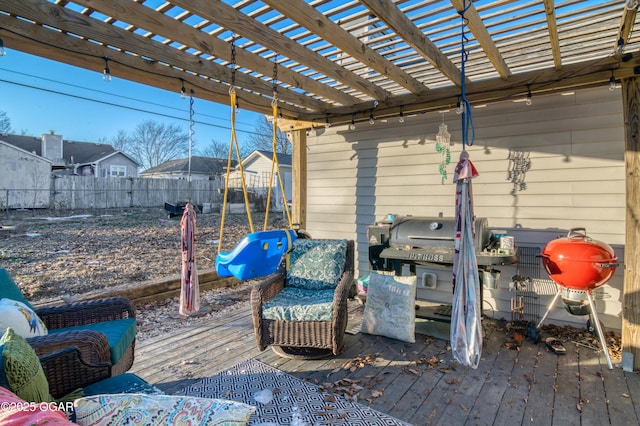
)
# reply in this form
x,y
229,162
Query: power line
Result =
x,y
105,93
124,106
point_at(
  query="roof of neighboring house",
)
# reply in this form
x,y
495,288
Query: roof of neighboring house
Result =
x,y
199,165
283,159
81,152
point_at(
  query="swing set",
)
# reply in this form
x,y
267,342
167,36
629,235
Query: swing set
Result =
x,y
260,253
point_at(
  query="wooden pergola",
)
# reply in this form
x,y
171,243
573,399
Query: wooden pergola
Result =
x,y
335,62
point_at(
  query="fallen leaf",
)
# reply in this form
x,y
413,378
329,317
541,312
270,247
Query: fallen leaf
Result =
x,y
518,338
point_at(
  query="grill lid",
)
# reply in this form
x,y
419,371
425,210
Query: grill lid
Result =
x,y
579,262
432,232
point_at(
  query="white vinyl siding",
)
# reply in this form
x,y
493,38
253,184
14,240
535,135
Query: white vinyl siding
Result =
x,y
575,144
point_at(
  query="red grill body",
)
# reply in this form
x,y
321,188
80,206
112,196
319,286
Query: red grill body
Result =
x,y
579,262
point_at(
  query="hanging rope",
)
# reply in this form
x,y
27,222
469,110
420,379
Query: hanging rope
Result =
x,y
274,147
191,133
467,120
233,144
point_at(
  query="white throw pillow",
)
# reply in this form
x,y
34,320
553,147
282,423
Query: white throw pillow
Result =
x,y
21,318
390,307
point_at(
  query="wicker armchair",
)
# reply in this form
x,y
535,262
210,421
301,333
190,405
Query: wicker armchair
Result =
x,y
93,345
67,370
102,330
292,334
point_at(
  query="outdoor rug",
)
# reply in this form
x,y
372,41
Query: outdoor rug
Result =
x,y
282,399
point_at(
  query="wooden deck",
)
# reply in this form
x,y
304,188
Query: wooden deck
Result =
x,y
420,383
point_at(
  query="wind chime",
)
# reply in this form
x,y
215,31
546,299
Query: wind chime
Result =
x,y
443,142
519,164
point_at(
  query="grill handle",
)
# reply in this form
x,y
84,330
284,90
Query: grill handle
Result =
x,y
576,233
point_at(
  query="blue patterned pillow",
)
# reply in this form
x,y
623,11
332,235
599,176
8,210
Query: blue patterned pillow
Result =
x,y
159,410
316,264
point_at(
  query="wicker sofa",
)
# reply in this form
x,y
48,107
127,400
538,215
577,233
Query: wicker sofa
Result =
x,y
304,336
100,332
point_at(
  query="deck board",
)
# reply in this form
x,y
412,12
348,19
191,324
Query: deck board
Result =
x,y
531,386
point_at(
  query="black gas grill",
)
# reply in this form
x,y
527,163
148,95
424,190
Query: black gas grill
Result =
x,y
424,246
415,240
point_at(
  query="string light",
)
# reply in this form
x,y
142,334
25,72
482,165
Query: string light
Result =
x,y
352,126
106,74
401,119
612,82
528,100
183,91
620,46
3,51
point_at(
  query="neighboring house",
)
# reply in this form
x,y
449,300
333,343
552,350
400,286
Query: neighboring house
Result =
x,y
77,158
25,178
201,168
257,174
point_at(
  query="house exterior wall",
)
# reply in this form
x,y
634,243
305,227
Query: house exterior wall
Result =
x,y
576,178
257,173
25,178
118,159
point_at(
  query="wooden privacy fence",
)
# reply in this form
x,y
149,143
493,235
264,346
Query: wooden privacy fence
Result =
x,y
81,192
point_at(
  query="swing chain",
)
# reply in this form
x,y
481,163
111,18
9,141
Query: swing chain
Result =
x,y
233,65
275,81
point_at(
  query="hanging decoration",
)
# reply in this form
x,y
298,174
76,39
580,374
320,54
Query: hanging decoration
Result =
x,y
519,165
466,310
443,142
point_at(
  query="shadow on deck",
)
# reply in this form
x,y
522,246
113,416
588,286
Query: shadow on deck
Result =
x,y
419,383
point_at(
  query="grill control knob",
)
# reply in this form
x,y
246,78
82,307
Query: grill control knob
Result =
x,y
434,225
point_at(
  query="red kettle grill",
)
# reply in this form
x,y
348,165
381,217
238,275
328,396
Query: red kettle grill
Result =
x,y
579,263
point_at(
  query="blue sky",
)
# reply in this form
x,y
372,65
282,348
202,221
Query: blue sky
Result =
x,y
40,95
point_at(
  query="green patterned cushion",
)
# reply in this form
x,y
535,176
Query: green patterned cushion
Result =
x,y
316,264
390,308
22,369
299,304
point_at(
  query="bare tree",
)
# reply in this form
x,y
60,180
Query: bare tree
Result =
x,y
262,139
218,149
5,123
121,141
215,149
153,143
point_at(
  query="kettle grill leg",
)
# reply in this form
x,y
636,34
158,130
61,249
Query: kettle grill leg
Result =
x,y
553,302
603,343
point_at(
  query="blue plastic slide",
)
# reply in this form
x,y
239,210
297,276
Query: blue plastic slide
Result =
x,y
257,255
